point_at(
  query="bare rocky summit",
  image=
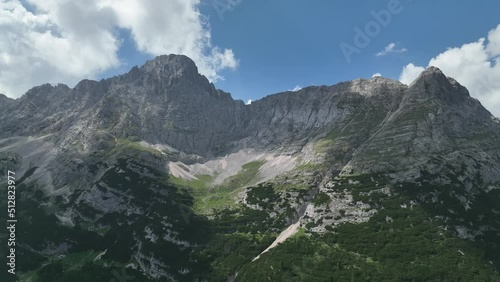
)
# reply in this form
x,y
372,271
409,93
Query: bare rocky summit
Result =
x,y
372,125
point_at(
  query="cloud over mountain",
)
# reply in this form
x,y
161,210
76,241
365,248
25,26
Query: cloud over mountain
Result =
x,y
65,41
476,65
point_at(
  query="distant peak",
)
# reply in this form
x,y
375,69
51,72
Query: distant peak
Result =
x,y
373,86
381,79
168,65
433,70
5,97
430,76
174,57
432,82
171,59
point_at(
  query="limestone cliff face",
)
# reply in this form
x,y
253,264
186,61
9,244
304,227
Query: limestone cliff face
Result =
x,y
165,101
436,123
362,125
296,118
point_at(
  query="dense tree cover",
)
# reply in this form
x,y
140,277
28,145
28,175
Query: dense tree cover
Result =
x,y
320,198
401,242
74,248
404,241
408,247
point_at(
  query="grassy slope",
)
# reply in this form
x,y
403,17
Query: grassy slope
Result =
x,y
209,198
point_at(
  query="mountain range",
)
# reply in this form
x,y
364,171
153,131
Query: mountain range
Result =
x,y
156,175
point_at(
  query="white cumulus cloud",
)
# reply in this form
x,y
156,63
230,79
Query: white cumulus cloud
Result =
x,y
391,48
409,73
65,41
475,65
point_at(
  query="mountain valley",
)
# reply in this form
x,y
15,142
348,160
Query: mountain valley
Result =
x,y
156,175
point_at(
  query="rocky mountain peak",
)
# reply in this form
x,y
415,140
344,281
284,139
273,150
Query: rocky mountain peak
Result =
x,y
432,75
168,65
5,102
433,84
167,101
433,70
85,84
167,72
43,94
4,98
375,86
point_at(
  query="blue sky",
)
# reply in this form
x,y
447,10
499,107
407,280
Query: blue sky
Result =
x,y
284,43
259,47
